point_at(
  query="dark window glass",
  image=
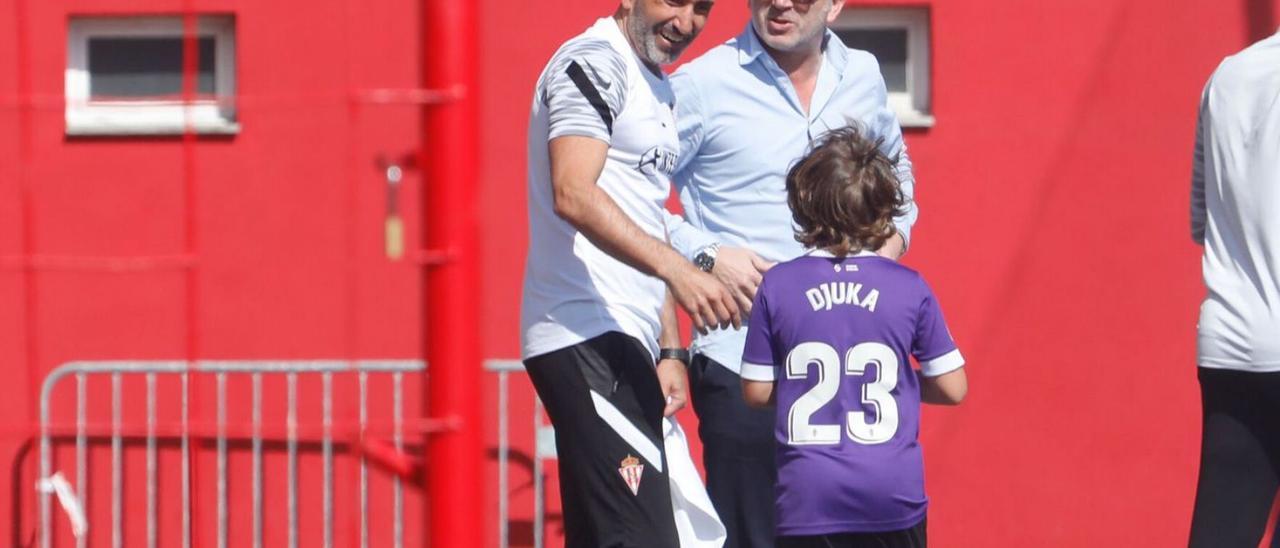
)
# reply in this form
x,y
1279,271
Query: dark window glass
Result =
x,y
145,67
890,48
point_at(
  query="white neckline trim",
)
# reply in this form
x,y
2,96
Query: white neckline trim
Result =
x,y
828,255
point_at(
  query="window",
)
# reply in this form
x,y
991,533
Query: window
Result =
x,y
124,76
899,38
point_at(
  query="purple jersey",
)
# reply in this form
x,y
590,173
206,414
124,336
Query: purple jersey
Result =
x,y
836,334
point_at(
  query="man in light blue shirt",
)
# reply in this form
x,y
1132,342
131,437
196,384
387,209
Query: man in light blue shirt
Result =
x,y
746,110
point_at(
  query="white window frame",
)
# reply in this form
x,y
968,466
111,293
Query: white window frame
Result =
x,y
149,117
913,107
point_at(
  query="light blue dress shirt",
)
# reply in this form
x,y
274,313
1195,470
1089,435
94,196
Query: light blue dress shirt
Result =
x,y
742,127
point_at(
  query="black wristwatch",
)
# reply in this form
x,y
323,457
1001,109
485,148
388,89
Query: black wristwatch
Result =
x,y
674,354
705,259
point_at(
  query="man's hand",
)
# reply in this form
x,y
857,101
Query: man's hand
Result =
x,y
893,248
706,300
672,379
740,270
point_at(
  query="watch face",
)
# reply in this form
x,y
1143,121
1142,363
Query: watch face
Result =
x,y
704,262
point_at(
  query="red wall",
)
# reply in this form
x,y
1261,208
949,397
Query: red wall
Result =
x,y
1053,195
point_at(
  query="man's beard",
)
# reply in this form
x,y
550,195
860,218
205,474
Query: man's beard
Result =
x,y
648,42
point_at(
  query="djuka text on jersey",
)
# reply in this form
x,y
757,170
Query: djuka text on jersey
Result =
x,y
831,294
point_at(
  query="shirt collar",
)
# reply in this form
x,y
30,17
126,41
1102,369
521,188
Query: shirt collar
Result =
x,y
750,48
608,27
822,253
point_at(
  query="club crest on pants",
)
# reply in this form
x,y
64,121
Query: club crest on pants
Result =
x,y
631,470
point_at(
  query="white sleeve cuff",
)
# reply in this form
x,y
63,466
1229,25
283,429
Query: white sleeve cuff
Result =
x,y
945,363
757,372
686,238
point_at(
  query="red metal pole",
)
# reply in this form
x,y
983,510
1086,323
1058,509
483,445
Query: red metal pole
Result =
x,y
455,513
27,210
190,229
1259,19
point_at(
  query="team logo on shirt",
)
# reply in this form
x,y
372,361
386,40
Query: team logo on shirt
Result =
x,y
658,160
631,470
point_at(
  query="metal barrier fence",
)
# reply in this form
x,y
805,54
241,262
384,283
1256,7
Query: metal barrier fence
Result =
x,y
73,499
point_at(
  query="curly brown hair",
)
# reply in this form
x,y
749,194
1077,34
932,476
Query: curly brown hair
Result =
x,y
844,194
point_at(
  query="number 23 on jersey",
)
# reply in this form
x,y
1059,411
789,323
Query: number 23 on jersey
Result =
x,y
878,394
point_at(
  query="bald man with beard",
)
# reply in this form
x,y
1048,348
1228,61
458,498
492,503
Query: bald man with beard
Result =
x,y
601,282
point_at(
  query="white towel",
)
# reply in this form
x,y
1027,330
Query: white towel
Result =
x,y
696,518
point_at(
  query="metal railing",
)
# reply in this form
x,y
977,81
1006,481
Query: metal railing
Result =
x,y
73,499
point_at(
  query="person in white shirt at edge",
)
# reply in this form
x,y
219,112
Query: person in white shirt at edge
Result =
x,y
1235,215
601,282
747,110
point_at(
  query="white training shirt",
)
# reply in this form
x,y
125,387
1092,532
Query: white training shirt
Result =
x,y
1235,211
595,86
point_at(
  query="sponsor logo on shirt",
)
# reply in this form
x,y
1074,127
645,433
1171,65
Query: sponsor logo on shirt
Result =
x,y
658,160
